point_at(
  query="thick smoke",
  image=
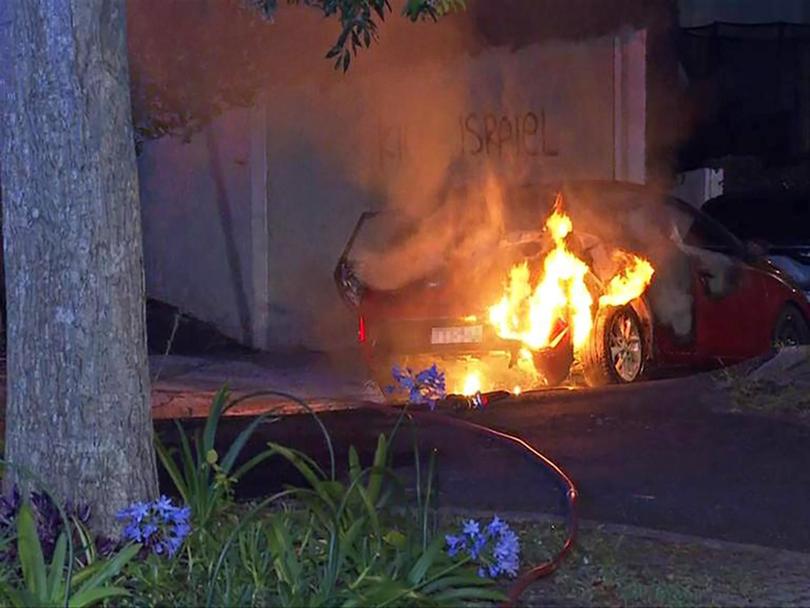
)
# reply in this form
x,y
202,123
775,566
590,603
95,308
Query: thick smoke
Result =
x,y
436,126
462,229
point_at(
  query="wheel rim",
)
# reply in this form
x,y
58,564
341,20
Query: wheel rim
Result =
x,y
624,343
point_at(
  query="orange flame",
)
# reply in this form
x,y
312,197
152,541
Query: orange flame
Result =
x,y
528,314
528,311
629,283
472,384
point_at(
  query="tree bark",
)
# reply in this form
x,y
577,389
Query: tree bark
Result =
x,y
78,412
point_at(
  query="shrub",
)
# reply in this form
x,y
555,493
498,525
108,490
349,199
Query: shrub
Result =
x,y
354,542
38,584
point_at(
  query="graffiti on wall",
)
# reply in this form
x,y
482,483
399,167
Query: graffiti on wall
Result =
x,y
490,135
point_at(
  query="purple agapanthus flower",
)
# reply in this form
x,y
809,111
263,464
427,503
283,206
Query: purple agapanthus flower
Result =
x,y
494,547
160,525
425,387
471,528
136,511
455,544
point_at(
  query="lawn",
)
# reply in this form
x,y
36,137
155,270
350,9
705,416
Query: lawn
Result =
x,y
616,566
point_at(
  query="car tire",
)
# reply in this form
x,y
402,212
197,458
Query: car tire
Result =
x,y
616,353
791,328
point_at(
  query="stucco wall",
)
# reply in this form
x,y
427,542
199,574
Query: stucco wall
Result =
x,y
417,112
195,198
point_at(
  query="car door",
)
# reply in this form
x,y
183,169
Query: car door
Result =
x,y
729,314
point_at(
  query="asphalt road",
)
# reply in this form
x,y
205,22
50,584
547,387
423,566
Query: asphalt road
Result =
x,y
656,456
653,455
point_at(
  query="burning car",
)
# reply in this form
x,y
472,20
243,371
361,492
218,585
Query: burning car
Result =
x,y
603,280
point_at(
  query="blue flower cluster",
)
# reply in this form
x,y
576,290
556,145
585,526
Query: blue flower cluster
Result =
x,y
159,526
425,387
495,547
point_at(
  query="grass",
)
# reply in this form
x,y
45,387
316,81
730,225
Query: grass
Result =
x,y
612,569
781,395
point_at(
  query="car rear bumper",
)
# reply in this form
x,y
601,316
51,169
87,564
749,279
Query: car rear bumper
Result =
x,y
497,362
435,336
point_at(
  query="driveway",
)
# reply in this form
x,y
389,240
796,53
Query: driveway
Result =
x,y
654,455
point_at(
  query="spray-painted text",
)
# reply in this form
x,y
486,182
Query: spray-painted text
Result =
x,y
502,135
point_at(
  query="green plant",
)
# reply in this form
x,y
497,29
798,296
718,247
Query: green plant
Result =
x,y
356,543
56,584
203,480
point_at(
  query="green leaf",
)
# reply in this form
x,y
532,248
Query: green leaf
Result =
x,y
380,591
373,516
250,464
454,580
107,569
354,463
190,465
55,584
455,596
218,406
284,552
18,598
305,465
239,443
171,468
423,564
348,538
30,552
376,476
94,596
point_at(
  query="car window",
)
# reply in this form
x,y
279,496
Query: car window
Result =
x,y
700,234
692,228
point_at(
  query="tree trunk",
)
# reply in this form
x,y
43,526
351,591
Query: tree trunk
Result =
x,y
78,411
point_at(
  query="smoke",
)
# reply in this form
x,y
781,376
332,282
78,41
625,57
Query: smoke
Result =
x,y
462,228
437,126
606,218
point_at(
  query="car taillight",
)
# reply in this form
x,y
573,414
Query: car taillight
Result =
x,y
361,329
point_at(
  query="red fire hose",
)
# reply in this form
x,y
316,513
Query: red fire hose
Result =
x,y
540,570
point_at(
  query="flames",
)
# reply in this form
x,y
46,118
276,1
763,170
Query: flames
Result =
x,y
472,384
529,314
629,283
536,302
547,301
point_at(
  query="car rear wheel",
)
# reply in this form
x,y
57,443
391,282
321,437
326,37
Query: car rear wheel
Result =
x,y
616,352
791,328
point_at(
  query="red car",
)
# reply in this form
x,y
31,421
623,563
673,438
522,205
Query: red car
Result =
x,y
713,300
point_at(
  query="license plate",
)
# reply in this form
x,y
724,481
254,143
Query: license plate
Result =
x,y
465,334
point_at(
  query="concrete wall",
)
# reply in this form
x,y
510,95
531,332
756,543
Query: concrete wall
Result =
x,y
196,223
257,209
